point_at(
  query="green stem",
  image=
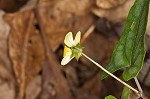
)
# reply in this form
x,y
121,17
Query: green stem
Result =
x,y
133,89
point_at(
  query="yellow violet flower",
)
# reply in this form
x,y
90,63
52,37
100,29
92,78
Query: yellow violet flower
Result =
x,y
72,48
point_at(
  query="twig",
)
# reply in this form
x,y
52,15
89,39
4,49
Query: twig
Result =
x,y
88,32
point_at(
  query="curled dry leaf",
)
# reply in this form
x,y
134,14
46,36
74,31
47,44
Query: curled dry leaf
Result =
x,y
24,41
116,14
109,4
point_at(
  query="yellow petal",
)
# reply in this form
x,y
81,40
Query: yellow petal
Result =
x,y
77,38
66,59
69,40
67,51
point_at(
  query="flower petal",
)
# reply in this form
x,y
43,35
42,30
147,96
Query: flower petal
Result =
x,y
69,40
67,51
77,38
66,59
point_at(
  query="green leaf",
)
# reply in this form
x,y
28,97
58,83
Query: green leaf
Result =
x,y
129,52
110,97
125,93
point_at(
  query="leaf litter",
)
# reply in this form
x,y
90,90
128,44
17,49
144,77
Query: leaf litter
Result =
x,y
30,65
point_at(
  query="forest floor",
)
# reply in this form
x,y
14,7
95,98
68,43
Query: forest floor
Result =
x,y
32,41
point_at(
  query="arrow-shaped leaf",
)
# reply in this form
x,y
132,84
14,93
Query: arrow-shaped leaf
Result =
x,y
129,52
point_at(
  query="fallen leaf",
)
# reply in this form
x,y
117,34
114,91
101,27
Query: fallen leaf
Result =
x,y
24,40
109,4
115,14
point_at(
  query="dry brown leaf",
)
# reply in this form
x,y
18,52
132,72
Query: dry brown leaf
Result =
x,y
25,48
116,14
109,4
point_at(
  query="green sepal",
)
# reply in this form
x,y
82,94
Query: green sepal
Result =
x,y
77,51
